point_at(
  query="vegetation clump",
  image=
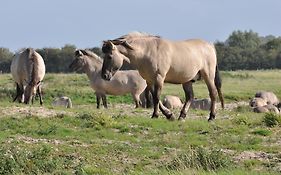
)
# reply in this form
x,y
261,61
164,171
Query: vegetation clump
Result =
x,y
200,158
271,119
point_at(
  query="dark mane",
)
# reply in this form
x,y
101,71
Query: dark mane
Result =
x,y
133,35
125,40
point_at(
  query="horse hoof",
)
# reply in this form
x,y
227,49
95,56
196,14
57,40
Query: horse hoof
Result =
x,y
171,117
154,116
181,119
182,116
211,118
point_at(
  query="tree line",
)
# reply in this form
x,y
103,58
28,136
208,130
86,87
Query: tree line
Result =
x,y
242,50
246,50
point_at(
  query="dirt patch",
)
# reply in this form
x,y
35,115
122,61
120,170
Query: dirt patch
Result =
x,y
114,109
254,155
273,159
129,109
15,111
30,140
233,105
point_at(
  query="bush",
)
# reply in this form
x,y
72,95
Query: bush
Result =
x,y
200,158
96,120
41,160
262,132
271,119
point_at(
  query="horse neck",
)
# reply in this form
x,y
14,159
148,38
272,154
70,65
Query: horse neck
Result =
x,y
92,67
136,57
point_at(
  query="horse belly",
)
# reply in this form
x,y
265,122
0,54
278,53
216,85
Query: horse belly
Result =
x,y
19,74
118,90
180,77
110,87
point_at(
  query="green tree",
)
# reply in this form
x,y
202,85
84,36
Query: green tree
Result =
x,y
243,40
278,61
57,60
5,59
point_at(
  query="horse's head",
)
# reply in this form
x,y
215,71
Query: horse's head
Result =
x,y
30,92
113,59
79,62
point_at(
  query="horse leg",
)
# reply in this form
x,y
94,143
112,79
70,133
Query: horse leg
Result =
x,y
98,96
169,115
22,89
210,81
17,92
104,102
156,100
188,90
39,91
147,93
136,98
155,113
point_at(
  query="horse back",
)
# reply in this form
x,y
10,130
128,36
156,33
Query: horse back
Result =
x,y
25,64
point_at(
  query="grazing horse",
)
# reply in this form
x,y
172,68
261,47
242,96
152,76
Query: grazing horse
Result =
x,y
28,71
123,82
159,60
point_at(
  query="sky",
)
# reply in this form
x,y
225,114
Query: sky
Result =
x,y
86,23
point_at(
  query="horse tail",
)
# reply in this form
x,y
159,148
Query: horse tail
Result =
x,y
33,66
218,84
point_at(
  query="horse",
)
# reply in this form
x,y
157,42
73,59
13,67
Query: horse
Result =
x,y
62,101
28,70
160,60
172,102
122,83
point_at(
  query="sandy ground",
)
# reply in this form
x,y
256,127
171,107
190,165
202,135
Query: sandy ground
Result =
x,y
127,109
16,111
124,109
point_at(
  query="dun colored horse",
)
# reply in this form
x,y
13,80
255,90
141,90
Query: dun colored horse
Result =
x,y
28,71
123,82
159,60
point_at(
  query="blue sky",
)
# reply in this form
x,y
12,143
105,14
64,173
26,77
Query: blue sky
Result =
x,y
86,23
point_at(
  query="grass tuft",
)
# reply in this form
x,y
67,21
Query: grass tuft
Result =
x,y
271,119
41,160
95,120
200,158
262,132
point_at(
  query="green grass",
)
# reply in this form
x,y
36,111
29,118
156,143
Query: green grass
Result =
x,y
125,140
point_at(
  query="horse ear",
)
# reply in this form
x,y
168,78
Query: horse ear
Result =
x,y
127,59
111,45
126,44
108,46
78,53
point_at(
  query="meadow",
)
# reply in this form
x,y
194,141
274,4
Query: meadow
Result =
x,y
125,140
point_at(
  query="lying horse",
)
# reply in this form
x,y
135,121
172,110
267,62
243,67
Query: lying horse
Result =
x,y
159,60
123,82
28,71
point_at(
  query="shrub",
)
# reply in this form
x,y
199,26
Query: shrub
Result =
x,y
262,132
241,120
96,120
271,119
200,158
40,160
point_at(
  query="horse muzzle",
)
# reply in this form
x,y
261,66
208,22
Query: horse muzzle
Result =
x,y
106,77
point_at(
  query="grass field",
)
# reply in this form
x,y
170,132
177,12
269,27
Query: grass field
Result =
x,y
125,140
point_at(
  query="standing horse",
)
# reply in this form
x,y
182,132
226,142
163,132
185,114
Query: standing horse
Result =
x,y
159,60
28,71
123,82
